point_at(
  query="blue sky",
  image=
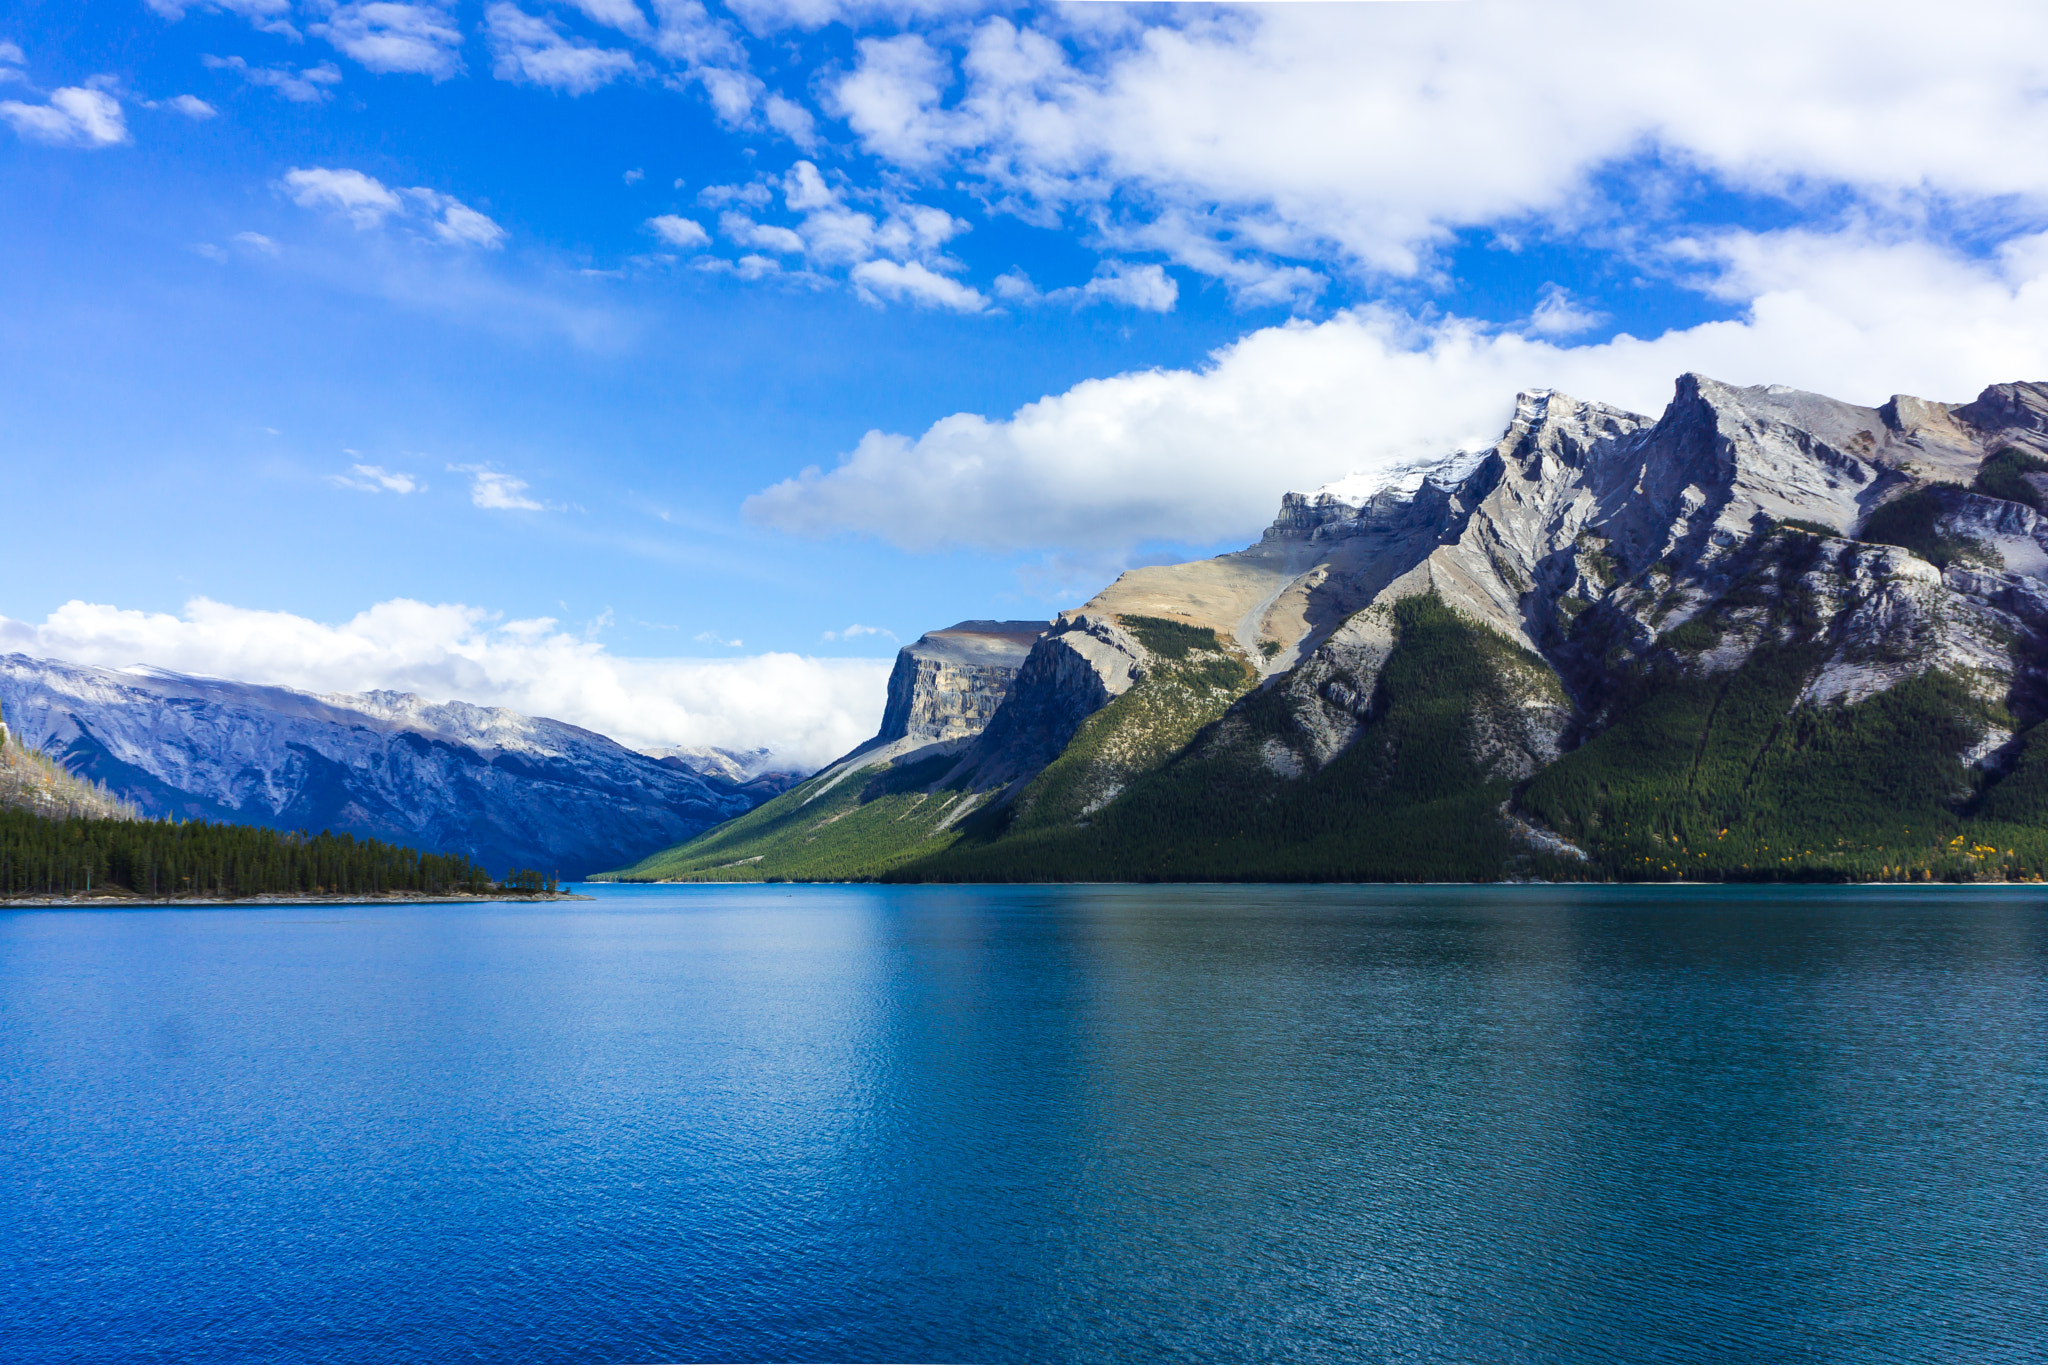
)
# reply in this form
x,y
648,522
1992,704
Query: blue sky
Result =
x,y
484,349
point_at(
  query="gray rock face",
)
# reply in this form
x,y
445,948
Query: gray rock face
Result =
x,y
1586,535
505,789
948,684
1072,672
944,690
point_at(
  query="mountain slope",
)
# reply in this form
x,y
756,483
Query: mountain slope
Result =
x,y
503,789
877,806
1766,634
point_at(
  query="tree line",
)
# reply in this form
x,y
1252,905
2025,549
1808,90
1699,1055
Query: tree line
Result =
x,y
166,858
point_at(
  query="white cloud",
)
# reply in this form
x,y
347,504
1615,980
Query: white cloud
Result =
x,y
623,15
365,199
747,232
309,86
679,232
712,637
368,201
268,16
792,120
533,50
12,58
1558,315
496,490
1146,287
756,195
192,107
1369,134
74,117
388,37
914,283
634,176
370,478
1194,457
807,710
892,101
856,631
255,241
455,222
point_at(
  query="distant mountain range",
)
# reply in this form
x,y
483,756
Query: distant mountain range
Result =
x,y
1765,635
504,789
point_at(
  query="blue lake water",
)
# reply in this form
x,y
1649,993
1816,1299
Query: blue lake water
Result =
x,y
1032,1124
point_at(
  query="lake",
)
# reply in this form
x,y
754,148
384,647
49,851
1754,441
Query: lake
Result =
x,y
1032,1124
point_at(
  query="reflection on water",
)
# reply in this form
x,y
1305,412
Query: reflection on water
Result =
x,y
1021,1124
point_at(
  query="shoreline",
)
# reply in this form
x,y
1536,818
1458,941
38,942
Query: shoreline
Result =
x,y
392,898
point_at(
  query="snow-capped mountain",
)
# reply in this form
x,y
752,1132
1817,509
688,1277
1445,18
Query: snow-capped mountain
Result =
x,y
506,789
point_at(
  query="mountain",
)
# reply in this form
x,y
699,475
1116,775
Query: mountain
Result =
x,y
1765,634
503,789
944,690
751,772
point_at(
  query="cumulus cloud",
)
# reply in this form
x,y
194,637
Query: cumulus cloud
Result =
x,y
309,86
747,232
498,491
1200,456
12,60
807,710
792,120
191,106
895,254
370,478
388,37
534,50
908,281
679,232
1369,134
368,202
75,116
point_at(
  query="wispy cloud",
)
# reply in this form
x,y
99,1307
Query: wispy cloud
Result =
x,y
383,36
855,631
367,202
496,490
370,478
533,50
308,86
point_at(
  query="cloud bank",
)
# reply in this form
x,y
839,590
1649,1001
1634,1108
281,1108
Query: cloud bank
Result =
x,y
1193,457
807,710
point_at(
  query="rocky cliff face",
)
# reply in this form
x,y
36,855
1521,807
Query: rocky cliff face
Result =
x,y
943,691
1659,646
948,684
505,789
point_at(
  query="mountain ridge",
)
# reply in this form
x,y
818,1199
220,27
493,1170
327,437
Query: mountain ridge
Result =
x,y
495,786
1737,593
